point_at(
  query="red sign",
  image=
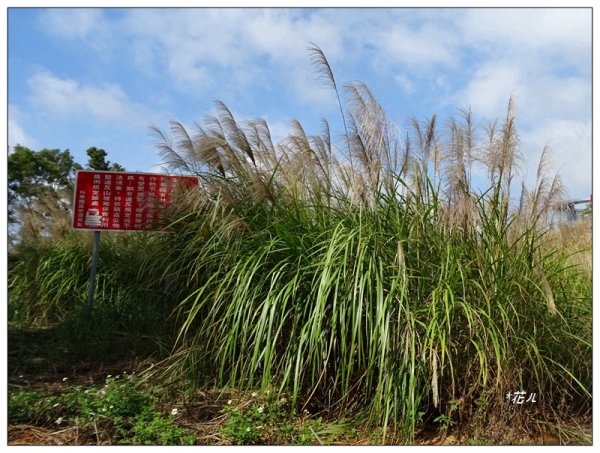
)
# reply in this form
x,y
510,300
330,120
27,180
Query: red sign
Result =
x,y
106,200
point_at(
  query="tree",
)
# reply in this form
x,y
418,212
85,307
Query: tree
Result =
x,y
31,175
97,161
40,189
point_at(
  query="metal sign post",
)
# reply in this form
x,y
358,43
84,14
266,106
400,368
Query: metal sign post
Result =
x,y
95,252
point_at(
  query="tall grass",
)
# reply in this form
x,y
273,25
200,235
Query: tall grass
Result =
x,y
376,276
47,289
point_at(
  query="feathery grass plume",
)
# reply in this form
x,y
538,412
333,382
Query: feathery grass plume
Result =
x,y
235,133
505,156
171,158
488,153
374,136
321,63
523,201
426,142
511,156
260,136
302,148
456,172
406,158
321,148
548,195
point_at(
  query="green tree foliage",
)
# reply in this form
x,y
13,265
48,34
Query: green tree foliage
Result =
x,y
39,189
97,161
31,174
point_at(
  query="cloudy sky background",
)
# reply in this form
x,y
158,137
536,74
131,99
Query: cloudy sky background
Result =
x,y
99,77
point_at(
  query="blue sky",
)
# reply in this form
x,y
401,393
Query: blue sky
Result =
x,y
99,77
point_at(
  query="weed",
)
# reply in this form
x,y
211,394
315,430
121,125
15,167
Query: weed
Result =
x,y
30,406
476,441
122,407
256,420
153,428
443,421
267,419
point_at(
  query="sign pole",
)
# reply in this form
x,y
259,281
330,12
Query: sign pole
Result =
x,y
95,251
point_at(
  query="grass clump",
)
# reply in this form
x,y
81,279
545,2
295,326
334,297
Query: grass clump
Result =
x,y
377,277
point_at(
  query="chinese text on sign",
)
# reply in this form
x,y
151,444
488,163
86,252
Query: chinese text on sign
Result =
x,y
123,201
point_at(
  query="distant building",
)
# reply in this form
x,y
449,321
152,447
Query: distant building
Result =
x,y
572,210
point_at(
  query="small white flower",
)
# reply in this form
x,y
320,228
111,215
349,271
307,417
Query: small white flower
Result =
x,y
174,411
59,420
261,409
86,391
111,406
108,376
254,394
283,400
117,376
65,379
248,429
20,376
229,402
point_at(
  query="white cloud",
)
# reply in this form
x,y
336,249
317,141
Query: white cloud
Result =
x,y
74,23
405,83
69,98
488,91
204,49
539,96
284,37
415,48
16,132
533,32
541,56
552,96
188,43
